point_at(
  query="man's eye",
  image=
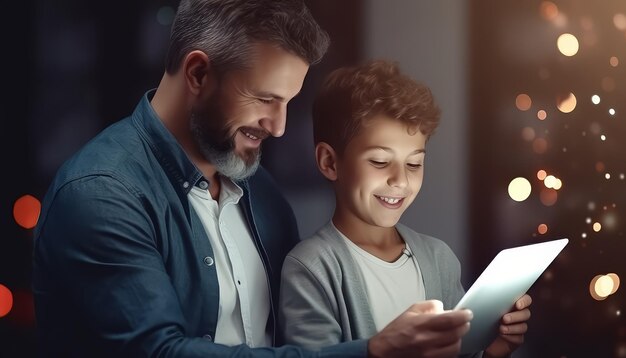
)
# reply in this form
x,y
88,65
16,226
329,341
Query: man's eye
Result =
x,y
266,101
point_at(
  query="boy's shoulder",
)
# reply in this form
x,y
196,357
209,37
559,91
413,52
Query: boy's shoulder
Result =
x,y
422,241
326,244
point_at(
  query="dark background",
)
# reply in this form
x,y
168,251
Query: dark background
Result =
x,y
70,68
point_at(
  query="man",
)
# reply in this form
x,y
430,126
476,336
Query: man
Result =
x,y
163,237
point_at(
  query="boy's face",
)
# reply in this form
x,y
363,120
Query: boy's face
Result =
x,y
379,173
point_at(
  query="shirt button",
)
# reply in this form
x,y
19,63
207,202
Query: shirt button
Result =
x,y
203,185
208,336
186,185
208,261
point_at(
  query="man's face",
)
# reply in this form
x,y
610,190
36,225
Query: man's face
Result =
x,y
379,173
248,106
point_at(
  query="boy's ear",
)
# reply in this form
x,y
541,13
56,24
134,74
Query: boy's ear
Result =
x,y
198,73
326,160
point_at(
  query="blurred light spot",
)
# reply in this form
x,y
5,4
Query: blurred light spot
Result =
x,y
548,197
588,220
540,145
519,189
607,176
591,206
592,289
165,16
541,114
600,167
26,211
611,111
595,99
603,286
567,103
621,176
564,149
557,184
567,44
595,128
615,279
6,300
548,10
608,84
597,226
603,137
523,102
619,20
583,235
528,134
541,174
549,181
542,229
614,61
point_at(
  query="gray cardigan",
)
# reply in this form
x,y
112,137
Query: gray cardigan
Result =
x,y
322,297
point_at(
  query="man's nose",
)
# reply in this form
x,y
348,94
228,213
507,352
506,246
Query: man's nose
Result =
x,y
276,121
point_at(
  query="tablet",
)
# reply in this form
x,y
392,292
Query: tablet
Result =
x,y
506,279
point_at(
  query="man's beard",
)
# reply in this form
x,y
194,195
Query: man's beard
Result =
x,y
211,132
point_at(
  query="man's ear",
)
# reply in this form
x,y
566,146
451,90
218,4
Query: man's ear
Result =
x,y
198,73
326,160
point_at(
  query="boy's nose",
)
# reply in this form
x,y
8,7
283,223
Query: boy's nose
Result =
x,y
398,176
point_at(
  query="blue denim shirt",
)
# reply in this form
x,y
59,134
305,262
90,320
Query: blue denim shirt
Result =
x,y
122,263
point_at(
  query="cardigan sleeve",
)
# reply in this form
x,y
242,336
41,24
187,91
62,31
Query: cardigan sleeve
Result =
x,y
306,312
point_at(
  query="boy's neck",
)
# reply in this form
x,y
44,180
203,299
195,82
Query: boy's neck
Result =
x,y
382,242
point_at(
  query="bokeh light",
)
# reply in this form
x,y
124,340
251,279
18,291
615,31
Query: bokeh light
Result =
x,y
567,44
541,115
548,197
540,145
614,61
542,229
611,111
26,211
597,226
548,10
567,103
595,99
616,282
528,134
541,174
6,300
523,102
519,189
619,20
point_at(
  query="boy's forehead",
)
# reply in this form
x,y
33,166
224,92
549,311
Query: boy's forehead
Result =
x,y
386,133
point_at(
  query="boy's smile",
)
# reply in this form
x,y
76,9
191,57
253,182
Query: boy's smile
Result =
x,y
379,173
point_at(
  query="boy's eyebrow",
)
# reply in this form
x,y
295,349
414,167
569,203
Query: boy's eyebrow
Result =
x,y
387,149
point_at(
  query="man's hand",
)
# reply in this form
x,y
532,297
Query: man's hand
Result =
x,y
423,330
512,329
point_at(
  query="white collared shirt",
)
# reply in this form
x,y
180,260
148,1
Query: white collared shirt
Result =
x,y
244,292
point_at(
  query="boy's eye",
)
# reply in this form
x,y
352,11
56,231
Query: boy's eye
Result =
x,y
378,163
413,166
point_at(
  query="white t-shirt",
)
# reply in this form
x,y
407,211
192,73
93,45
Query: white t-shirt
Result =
x,y
391,287
244,291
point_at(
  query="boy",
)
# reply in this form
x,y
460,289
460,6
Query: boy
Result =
x,y
359,271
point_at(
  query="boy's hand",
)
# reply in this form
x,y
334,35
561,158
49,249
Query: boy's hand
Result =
x,y
512,330
423,330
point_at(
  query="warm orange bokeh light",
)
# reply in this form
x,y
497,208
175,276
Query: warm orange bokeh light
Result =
x,y
566,103
541,174
523,102
26,211
548,10
541,115
6,301
548,197
542,229
614,61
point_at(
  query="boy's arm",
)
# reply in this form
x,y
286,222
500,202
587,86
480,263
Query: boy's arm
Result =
x,y
305,314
